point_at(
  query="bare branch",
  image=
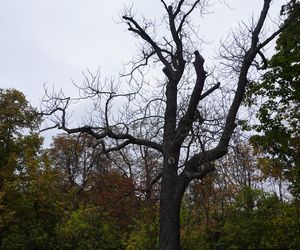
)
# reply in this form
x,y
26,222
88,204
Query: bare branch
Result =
x,y
183,20
209,91
153,182
176,38
178,9
277,32
242,82
136,28
264,61
192,169
165,5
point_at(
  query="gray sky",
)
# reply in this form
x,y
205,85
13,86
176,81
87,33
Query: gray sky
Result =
x,y
53,41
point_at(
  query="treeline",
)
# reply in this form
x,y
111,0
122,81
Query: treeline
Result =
x,y
71,196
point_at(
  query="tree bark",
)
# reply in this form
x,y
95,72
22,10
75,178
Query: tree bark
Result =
x,y
172,190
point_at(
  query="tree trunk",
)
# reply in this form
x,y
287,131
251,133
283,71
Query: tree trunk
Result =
x,y
172,190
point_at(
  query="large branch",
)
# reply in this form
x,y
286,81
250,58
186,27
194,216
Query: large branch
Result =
x,y
209,91
178,9
242,81
260,23
277,32
192,169
137,141
186,122
107,132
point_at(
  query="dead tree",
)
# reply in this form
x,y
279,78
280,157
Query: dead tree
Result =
x,y
172,118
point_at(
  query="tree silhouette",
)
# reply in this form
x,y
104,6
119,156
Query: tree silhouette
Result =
x,y
176,116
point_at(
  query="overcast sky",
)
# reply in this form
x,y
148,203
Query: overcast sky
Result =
x,y
53,41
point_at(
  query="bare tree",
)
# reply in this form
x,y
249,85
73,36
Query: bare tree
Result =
x,y
169,115
77,157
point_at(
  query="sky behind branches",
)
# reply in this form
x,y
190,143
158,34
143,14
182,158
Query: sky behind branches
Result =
x,y
53,41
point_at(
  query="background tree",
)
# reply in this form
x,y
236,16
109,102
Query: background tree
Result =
x,y
77,158
88,228
15,116
169,115
258,220
28,202
279,115
66,197
91,179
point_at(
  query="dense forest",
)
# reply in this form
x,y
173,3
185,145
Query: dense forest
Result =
x,y
84,193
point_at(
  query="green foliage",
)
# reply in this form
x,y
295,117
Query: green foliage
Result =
x,y
28,208
35,210
198,237
15,113
144,234
87,228
15,116
39,211
254,220
201,217
258,220
279,113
